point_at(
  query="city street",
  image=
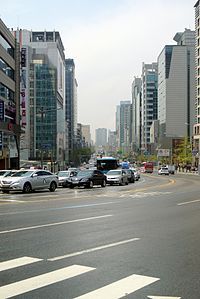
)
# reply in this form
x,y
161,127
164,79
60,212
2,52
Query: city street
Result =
x,y
137,241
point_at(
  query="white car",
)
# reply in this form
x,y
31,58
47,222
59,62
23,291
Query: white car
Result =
x,y
28,180
136,173
63,177
117,176
163,170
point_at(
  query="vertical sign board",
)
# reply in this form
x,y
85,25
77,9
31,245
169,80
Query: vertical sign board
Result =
x,y
1,110
23,87
1,141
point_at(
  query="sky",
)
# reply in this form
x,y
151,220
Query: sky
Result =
x,y
108,40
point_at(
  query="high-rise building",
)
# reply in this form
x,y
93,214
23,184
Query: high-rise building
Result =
x,y
101,137
71,105
117,125
125,124
9,99
197,114
136,114
42,96
176,89
149,106
112,143
86,135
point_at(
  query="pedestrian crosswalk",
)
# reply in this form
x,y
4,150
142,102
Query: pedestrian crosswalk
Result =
x,y
114,290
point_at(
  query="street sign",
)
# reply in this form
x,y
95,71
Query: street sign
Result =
x,y
163,152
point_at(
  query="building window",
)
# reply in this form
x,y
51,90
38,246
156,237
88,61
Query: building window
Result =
x,y
4,67
9,49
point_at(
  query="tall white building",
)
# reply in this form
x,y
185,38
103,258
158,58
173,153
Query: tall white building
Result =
x,y
176,88
149,104
136,114
101,137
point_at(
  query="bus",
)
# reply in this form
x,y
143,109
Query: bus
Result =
x,y
107,163
147,167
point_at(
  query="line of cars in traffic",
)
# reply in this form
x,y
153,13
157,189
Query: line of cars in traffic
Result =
x,y
29,180
90,177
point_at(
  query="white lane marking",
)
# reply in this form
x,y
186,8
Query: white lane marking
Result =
x,y
120,288
42,280
60,208
93,249
22,261
145,194
10,200
188,202
52,224
161,297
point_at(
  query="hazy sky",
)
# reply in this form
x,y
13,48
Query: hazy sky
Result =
x,y
108,40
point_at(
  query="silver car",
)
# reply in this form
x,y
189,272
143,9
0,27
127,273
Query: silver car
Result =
x,y
28,180
117,176
64,175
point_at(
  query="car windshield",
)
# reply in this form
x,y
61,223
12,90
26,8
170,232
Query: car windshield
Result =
x,y
114,172
84,173
63,173
23,173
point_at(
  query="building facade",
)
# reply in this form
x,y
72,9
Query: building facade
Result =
x,y
101,137
71,106
196,130
10,129
136,114
125,125
176,88
149,103
42,97
86,135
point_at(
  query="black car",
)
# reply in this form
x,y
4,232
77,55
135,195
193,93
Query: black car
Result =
x,y
87,178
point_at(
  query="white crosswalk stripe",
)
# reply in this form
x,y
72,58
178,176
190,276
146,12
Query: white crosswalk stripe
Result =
x,y
115,290
120,288
33,283
22,261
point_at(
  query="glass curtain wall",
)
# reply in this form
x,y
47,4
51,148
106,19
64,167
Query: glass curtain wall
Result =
x,y
46,113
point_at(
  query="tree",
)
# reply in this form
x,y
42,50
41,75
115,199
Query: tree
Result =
x,y
183,152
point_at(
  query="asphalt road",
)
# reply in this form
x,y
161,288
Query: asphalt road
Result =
x,y
137,241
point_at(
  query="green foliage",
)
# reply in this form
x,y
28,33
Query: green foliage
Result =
x,y
183,152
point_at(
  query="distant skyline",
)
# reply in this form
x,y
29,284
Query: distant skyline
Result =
x,y
108,40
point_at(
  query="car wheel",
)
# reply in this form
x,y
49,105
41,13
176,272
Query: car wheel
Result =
x,y
71,187
52,187
27,188
91,184
103,183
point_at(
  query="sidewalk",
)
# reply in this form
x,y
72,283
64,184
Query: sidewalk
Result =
x,y
187,172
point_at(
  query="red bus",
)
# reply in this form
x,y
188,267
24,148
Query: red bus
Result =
x,y
147,167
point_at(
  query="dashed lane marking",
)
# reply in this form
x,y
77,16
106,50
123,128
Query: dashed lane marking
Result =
x,y
93,249
53,224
